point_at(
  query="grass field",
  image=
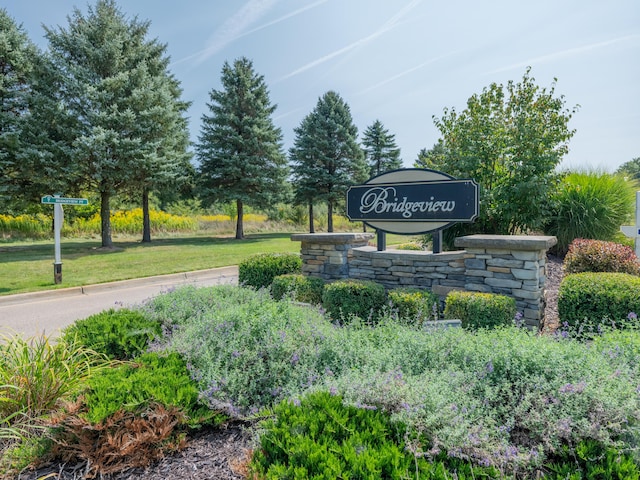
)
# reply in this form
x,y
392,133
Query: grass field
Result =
x,y
27,266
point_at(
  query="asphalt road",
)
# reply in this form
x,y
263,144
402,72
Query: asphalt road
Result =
x,y
33,314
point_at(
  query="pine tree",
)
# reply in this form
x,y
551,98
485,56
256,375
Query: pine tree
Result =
x,y
239,148
129,126
326,158
18,56
380,149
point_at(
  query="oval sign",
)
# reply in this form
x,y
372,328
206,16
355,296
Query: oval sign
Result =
x,y
413,200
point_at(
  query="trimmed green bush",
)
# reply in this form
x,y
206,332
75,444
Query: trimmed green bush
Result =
x,y
414,305
258,271
599,298
600,256
345,298
120,334
302,288
480,310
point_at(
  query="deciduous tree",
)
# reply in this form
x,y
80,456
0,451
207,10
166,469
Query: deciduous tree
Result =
x,y
510,140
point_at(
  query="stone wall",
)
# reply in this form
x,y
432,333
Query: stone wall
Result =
x,y
508,265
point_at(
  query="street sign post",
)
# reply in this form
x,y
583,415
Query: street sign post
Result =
x,y
57,201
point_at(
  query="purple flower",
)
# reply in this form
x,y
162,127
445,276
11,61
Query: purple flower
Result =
x,y
632,316
295,358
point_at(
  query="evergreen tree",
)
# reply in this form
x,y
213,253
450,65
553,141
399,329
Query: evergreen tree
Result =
x,y
433,159
326,158
239,148
380,149
18,56
115,84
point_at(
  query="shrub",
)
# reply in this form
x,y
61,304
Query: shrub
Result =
x,y
600,256
414,305
303,288
320,437
120,334
590,205
259,270
598,298
480,310
360,298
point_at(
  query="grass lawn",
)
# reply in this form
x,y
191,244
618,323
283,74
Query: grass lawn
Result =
x,y
28,266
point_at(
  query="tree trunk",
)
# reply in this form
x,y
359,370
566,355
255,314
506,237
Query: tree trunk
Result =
x,y
105,219
330,216
311,226
239,223
146,221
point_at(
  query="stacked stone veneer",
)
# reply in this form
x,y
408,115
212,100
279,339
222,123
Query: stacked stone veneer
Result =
x,y
508,265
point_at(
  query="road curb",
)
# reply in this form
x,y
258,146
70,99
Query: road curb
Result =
x,y
231,272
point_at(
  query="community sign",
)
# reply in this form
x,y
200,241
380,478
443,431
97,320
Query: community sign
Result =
x,y
412,200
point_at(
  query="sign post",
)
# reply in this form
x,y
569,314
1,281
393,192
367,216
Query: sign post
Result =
x,y
633,231
57,201
412,201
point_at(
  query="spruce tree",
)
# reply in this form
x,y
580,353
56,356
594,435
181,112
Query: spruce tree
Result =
x,y
380,149
129,126
18,56
239,148
326,158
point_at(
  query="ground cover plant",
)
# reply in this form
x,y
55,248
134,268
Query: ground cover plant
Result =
x,y
503,398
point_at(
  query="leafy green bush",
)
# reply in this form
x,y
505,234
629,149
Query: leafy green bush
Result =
x,y
600,256
345,298
599,298
258,271
590,205
480,310
120,334
320,437
303,288
414,305
134,386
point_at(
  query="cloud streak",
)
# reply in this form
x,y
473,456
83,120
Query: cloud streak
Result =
x,y
388,25
408,71
570,52
239,25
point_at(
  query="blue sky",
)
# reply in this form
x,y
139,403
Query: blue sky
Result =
x,y
401,61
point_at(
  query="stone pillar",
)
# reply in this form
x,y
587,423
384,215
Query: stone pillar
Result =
x,y
327,255
513,265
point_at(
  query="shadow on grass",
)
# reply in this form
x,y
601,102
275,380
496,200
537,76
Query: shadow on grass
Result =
x,y
74,248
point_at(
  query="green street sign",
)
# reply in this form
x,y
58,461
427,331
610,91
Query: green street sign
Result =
x,y
51,200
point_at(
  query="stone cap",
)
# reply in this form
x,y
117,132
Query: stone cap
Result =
x,y
415,255
510,242
332,238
